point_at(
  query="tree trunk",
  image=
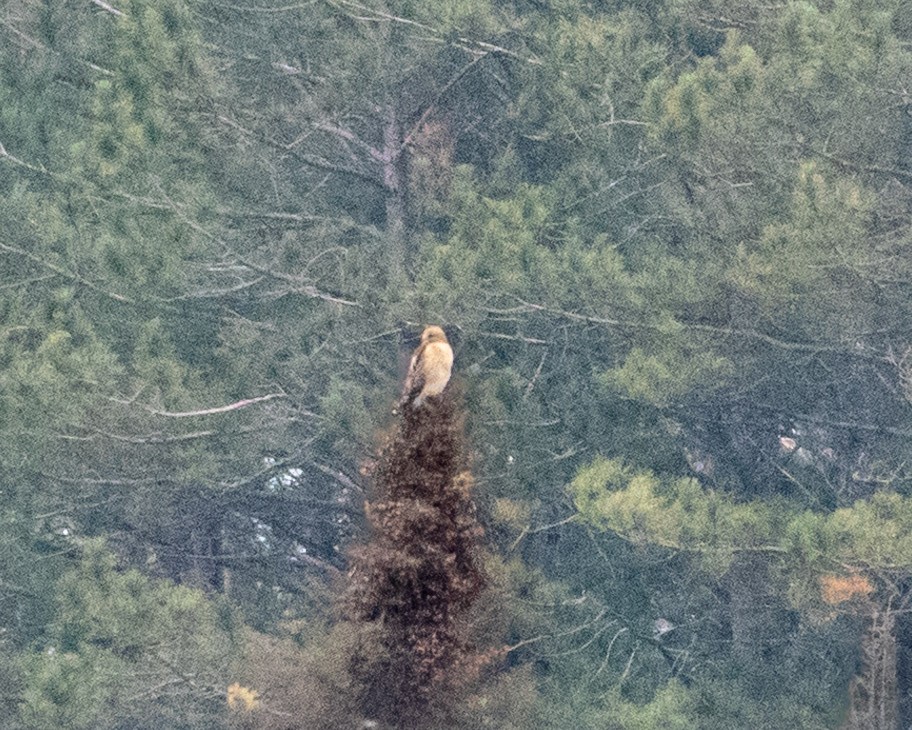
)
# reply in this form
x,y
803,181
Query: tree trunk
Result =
x,y
872,694
393,181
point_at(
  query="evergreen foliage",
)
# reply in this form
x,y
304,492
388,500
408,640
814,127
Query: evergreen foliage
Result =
x,y
126,651
670,242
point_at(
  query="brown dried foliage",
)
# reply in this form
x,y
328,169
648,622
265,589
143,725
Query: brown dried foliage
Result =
x,y
430,171
412,583
836,589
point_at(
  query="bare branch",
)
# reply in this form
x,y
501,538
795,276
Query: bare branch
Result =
x,y
4,155
339,476
693,326
531,385
608,651
319,163
323,565
255,9
570,632
846,164
344,223
154,438
349,136
543,528
94,482
220,409
298,286
37,44
63,272
515,338
215,293
107,8
24,282
381,15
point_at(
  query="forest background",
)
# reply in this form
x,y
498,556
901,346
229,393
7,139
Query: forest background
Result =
x,y
670,242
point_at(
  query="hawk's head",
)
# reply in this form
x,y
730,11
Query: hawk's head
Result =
x,y
433,333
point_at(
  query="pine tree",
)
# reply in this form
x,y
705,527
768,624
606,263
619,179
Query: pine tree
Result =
x,y
413,582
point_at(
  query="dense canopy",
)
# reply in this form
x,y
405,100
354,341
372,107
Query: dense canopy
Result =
x,y
670,243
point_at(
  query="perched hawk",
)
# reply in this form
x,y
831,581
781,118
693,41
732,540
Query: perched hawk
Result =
x,y
429,371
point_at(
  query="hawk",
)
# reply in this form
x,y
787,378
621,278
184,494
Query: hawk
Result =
x,y
429,371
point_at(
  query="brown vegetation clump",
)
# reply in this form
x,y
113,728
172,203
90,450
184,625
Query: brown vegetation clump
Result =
x,y
412,583
836,589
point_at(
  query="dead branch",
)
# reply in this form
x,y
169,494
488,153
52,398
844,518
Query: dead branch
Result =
x,y
219,409
107,8
61,271
693,326
339,476
299,287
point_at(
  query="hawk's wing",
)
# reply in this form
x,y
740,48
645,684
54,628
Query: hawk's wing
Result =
x,y
414,381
